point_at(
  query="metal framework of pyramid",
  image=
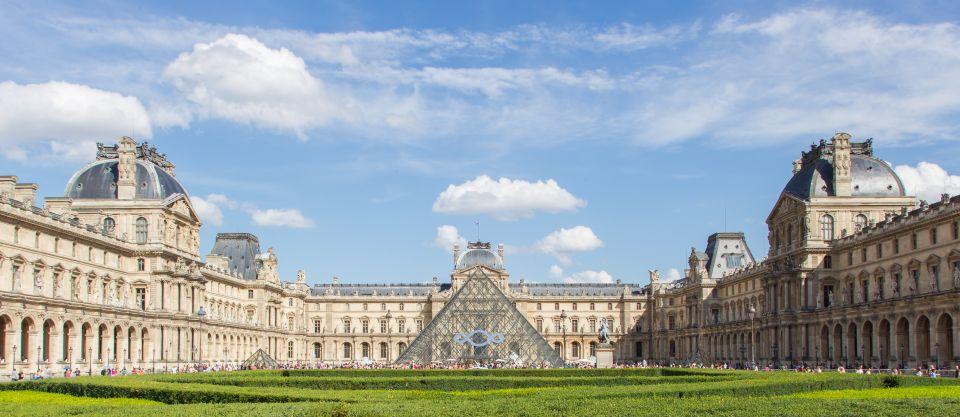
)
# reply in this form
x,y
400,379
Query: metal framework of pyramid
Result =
x,y
261,360
480,325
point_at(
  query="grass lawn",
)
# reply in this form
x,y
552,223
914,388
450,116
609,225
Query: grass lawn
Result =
x,y
650,392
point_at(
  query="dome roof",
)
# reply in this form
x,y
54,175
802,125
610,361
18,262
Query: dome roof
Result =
x,y
479,256
870,177
98,180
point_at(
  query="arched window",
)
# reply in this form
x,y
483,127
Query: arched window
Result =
x,y
557,347
317,351
593,348
141,264
109,225
347,351
383,350
576,350
141,230
290,350
859,222
365,350
826,227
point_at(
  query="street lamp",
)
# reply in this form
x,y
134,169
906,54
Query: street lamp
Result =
x,y
153,356
38,358
90,361
901,356
753,314
563,327
13,360
937,349
201,313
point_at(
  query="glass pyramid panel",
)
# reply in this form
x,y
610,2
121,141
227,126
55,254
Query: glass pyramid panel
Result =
x,y
480,325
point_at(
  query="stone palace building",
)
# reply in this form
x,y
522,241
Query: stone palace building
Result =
x,y
111,274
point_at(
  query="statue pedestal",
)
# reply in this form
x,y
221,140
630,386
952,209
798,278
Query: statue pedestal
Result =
x,y
605,356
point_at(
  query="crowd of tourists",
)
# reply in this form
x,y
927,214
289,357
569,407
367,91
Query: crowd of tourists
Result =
x,y
24,374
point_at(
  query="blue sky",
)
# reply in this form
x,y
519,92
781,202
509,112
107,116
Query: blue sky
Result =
x,y
596,140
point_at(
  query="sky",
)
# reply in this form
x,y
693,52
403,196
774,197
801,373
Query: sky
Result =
x,y
595,140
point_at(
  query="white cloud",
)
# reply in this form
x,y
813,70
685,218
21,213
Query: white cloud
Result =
x,y
588,276
556,272
672,274
561,243
208,210
281,217
447,236
927,181
239,78
600,277
67,117
506,199
743,81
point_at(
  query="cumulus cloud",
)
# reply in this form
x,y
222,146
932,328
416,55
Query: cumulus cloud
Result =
x,y
506,199
67,117
281,217
447,236
561,243
210,209
239,78
927,181
788,75
672,274
588,276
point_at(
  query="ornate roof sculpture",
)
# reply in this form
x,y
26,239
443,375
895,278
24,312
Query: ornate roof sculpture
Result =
x,y
260,360
151,175
869,176
480,325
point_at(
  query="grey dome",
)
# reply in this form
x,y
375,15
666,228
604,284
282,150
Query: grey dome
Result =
x,y
870,177
98,180
474,257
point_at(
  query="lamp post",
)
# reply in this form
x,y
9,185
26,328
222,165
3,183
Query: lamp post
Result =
x,y
937,349
201,313
816,350
563,328
153,357
39,349
13,360
753,347
901,356
90,361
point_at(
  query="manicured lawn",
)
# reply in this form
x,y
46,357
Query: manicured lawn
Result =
x,y
651,392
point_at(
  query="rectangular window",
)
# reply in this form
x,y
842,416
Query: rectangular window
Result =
x,y
141,294
402,325
556,326
913,241
574,325
419,325
346,326
540,325
249,293
896,246
574,306
935,276
364,326
734,260
879,250
863,254
317,328
849,258
383,326
672,323
955,230
401,306
933,236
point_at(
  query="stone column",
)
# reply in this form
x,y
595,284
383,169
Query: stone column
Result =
x,y
875,345
912,353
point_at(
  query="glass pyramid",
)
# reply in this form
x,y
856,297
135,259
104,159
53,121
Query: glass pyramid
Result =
x,y
480,325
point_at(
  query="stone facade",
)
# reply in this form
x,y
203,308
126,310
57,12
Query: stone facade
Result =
x,y
111,275
857,273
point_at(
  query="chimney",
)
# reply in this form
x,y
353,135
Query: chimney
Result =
x,y
25,193
127,169
8,183
841,164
